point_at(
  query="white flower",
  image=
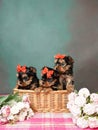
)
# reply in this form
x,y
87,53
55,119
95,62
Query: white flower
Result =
x,y
74,119
22,115
75,110
25,98
14,110
30,113
84,92
10,117
3,120
94,98
20,105
80,101
89,109
17,107
84,108
81,122
93,122
27,105
5,111
72,96
96,108
70,104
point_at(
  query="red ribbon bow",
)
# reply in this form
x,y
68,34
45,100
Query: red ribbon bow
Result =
x,y
59,56
49,73
21,68
45,70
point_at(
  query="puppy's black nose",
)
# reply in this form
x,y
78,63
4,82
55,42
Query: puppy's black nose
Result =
x,y
26,78
57,62
20,82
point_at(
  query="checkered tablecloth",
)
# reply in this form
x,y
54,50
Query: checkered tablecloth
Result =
x,y
45,121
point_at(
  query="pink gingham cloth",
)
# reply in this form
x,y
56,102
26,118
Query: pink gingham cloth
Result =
x,y
45,121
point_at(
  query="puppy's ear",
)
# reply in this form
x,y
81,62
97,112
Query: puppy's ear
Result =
x,y
17,75
33,69
56,74
70,60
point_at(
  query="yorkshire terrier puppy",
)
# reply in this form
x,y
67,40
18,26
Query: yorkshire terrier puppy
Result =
x,y
66,82
27,78
49,79
64,65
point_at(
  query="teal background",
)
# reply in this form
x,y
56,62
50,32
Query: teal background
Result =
x,y
33,31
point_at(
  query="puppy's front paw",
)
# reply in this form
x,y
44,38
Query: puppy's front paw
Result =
x,y
70,88
38,90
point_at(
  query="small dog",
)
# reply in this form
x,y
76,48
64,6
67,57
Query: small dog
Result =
x,y
49,79
64,65
27,78
66,82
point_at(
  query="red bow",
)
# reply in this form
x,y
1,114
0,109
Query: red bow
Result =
x,y
21,68
49,73
59,56
45,70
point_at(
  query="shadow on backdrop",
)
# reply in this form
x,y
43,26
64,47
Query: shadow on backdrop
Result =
x,y
84,44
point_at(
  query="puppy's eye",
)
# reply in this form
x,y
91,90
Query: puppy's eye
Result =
x,y
50,79
63,64
55,61
25,78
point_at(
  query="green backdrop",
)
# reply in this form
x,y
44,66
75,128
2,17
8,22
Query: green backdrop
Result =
x,y
33,31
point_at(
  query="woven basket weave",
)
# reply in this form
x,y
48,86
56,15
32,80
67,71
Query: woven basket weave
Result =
x,y
54,101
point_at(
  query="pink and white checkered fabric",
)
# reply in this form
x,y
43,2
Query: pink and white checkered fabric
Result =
x,y
45,121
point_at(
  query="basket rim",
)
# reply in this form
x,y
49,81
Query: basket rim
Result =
x,y
32,91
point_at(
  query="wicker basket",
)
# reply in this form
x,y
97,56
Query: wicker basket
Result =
x,y
55,101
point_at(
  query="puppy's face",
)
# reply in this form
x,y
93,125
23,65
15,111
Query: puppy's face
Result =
x,y
24,80
25,75
62,62
48,77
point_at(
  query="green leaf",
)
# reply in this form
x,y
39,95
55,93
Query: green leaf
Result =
x,y
2,99
86,117
76,91
7,100
11,96
88,100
